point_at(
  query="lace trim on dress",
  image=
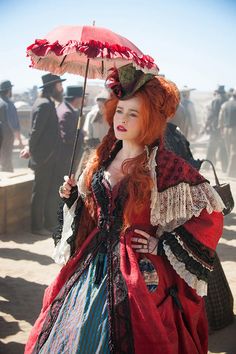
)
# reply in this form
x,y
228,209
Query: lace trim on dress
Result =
x,y
62,251
174,206
199,285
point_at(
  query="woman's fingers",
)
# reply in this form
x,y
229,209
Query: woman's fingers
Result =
x,y
144,244
142,233
138,246
139,240
70,180
65,189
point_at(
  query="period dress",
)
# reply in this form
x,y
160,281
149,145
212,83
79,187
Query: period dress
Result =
x,y
109,299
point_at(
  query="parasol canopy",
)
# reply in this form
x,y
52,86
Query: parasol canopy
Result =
x,y
67,49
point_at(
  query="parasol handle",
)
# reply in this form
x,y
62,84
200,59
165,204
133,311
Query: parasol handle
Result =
x,y
79,125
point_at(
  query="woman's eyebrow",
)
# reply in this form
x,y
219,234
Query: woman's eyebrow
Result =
x,y
130,109
133,110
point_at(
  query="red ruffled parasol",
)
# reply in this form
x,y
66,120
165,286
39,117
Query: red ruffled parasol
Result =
x,y
88,51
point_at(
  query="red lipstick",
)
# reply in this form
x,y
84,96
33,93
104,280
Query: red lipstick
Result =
x,y
120,128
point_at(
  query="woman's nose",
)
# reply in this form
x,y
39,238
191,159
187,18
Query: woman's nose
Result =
x,y
124,118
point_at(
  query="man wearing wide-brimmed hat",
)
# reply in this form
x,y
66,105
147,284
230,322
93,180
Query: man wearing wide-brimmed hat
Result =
x,y
10,125
43,150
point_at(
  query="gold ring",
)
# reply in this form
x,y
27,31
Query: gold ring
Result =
x,y
61,189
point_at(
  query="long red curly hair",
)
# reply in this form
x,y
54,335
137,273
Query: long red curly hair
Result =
x,y
159,100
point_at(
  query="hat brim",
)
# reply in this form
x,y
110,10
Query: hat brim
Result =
x,y
71,97
187,90
52,83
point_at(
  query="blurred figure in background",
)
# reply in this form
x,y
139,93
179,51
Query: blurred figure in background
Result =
x,y
10,126
180,119
94,129
227,124
43,151
216,141
95,126
230,93
175,141
190,128
68,113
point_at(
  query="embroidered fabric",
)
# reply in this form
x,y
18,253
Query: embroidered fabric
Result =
x,y
199,285
149,273
175,205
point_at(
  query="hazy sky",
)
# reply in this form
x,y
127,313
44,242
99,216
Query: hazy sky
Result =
x,y
192,41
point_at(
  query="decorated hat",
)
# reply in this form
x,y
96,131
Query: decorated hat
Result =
x,y
50,79
126,80
73,92
5,85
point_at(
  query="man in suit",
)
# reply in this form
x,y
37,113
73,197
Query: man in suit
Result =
x,y
10,125
68,112
43,151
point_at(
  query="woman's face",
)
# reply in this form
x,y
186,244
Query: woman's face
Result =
x,y
127,119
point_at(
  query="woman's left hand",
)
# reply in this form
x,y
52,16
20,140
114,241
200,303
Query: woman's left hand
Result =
x,y
145,243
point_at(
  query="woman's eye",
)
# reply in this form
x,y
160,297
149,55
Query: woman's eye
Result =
x,y
118,111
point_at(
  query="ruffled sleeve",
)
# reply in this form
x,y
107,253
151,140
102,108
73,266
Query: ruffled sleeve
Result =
x,y
191,249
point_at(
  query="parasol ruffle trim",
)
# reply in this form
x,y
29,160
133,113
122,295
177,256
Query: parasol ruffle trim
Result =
x,y
91,49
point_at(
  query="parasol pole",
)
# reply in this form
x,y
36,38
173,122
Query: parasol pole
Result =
x,y
79,125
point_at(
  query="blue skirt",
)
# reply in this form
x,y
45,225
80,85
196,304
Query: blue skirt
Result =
x,y
82,323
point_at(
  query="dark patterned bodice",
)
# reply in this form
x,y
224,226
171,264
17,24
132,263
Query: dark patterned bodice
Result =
x,y
110,202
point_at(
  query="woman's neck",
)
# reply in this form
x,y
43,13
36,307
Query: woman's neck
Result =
x,y
130,150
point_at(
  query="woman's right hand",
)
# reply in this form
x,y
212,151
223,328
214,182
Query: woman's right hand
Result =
x,y
65,189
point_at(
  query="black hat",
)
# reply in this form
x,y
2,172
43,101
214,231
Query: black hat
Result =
x,y
220,89
73,91
50,79
5,85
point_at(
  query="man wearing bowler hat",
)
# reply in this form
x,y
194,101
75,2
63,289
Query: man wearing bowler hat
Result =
x,y
44,145
68,112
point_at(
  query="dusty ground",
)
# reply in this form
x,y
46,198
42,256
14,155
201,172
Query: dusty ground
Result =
x,y
26,269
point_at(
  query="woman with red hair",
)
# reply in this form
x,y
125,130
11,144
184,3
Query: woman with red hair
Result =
x,y
137,238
